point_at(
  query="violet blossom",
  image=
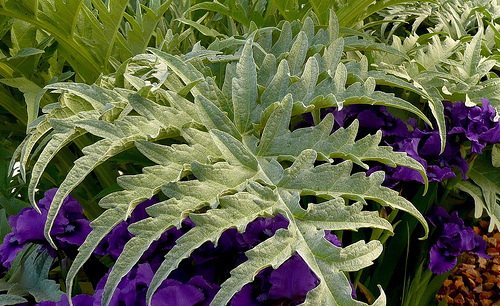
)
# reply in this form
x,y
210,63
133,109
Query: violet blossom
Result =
x,y
69,230
454,239
475,124
289,283
131,290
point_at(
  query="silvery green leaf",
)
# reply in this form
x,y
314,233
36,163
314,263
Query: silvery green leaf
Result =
x,y
278,87
32,278
213,118
486,177
495,155
472,54
267,70
244,90
11,299
298,53
333,26
284,41
304,89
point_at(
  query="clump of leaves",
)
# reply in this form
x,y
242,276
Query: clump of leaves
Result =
x,y
224,154
455,59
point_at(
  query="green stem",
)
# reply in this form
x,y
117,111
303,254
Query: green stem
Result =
x,y
12,106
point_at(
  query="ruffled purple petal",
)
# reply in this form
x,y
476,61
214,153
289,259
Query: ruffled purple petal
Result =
x,y
438,217
209,289
292,280
29,226
244,297
178,294
9,249
440,261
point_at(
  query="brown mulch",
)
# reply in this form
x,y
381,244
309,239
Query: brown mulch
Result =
x,y
475,281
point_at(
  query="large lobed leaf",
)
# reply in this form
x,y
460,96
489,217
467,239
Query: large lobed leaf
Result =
x,y
222,151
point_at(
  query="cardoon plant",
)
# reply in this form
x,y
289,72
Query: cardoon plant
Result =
x,y
222,154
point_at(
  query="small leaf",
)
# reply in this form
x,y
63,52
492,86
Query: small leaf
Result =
x,y
472,54
233,150
298,53
278,87
277,124
495,155
333,26
284,41
213,118
32,278
244,90
340,78
32,95
11,299
203,29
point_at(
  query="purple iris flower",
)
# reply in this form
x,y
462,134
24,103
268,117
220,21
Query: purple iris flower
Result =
x,y
70,227
454,239
113,243
474,123
288,284
131,290
9,249
262,228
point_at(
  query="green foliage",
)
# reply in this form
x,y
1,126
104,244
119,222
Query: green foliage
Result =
x,y
455,56
451,60
89,32
224,154
263,13
483,186
30,278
